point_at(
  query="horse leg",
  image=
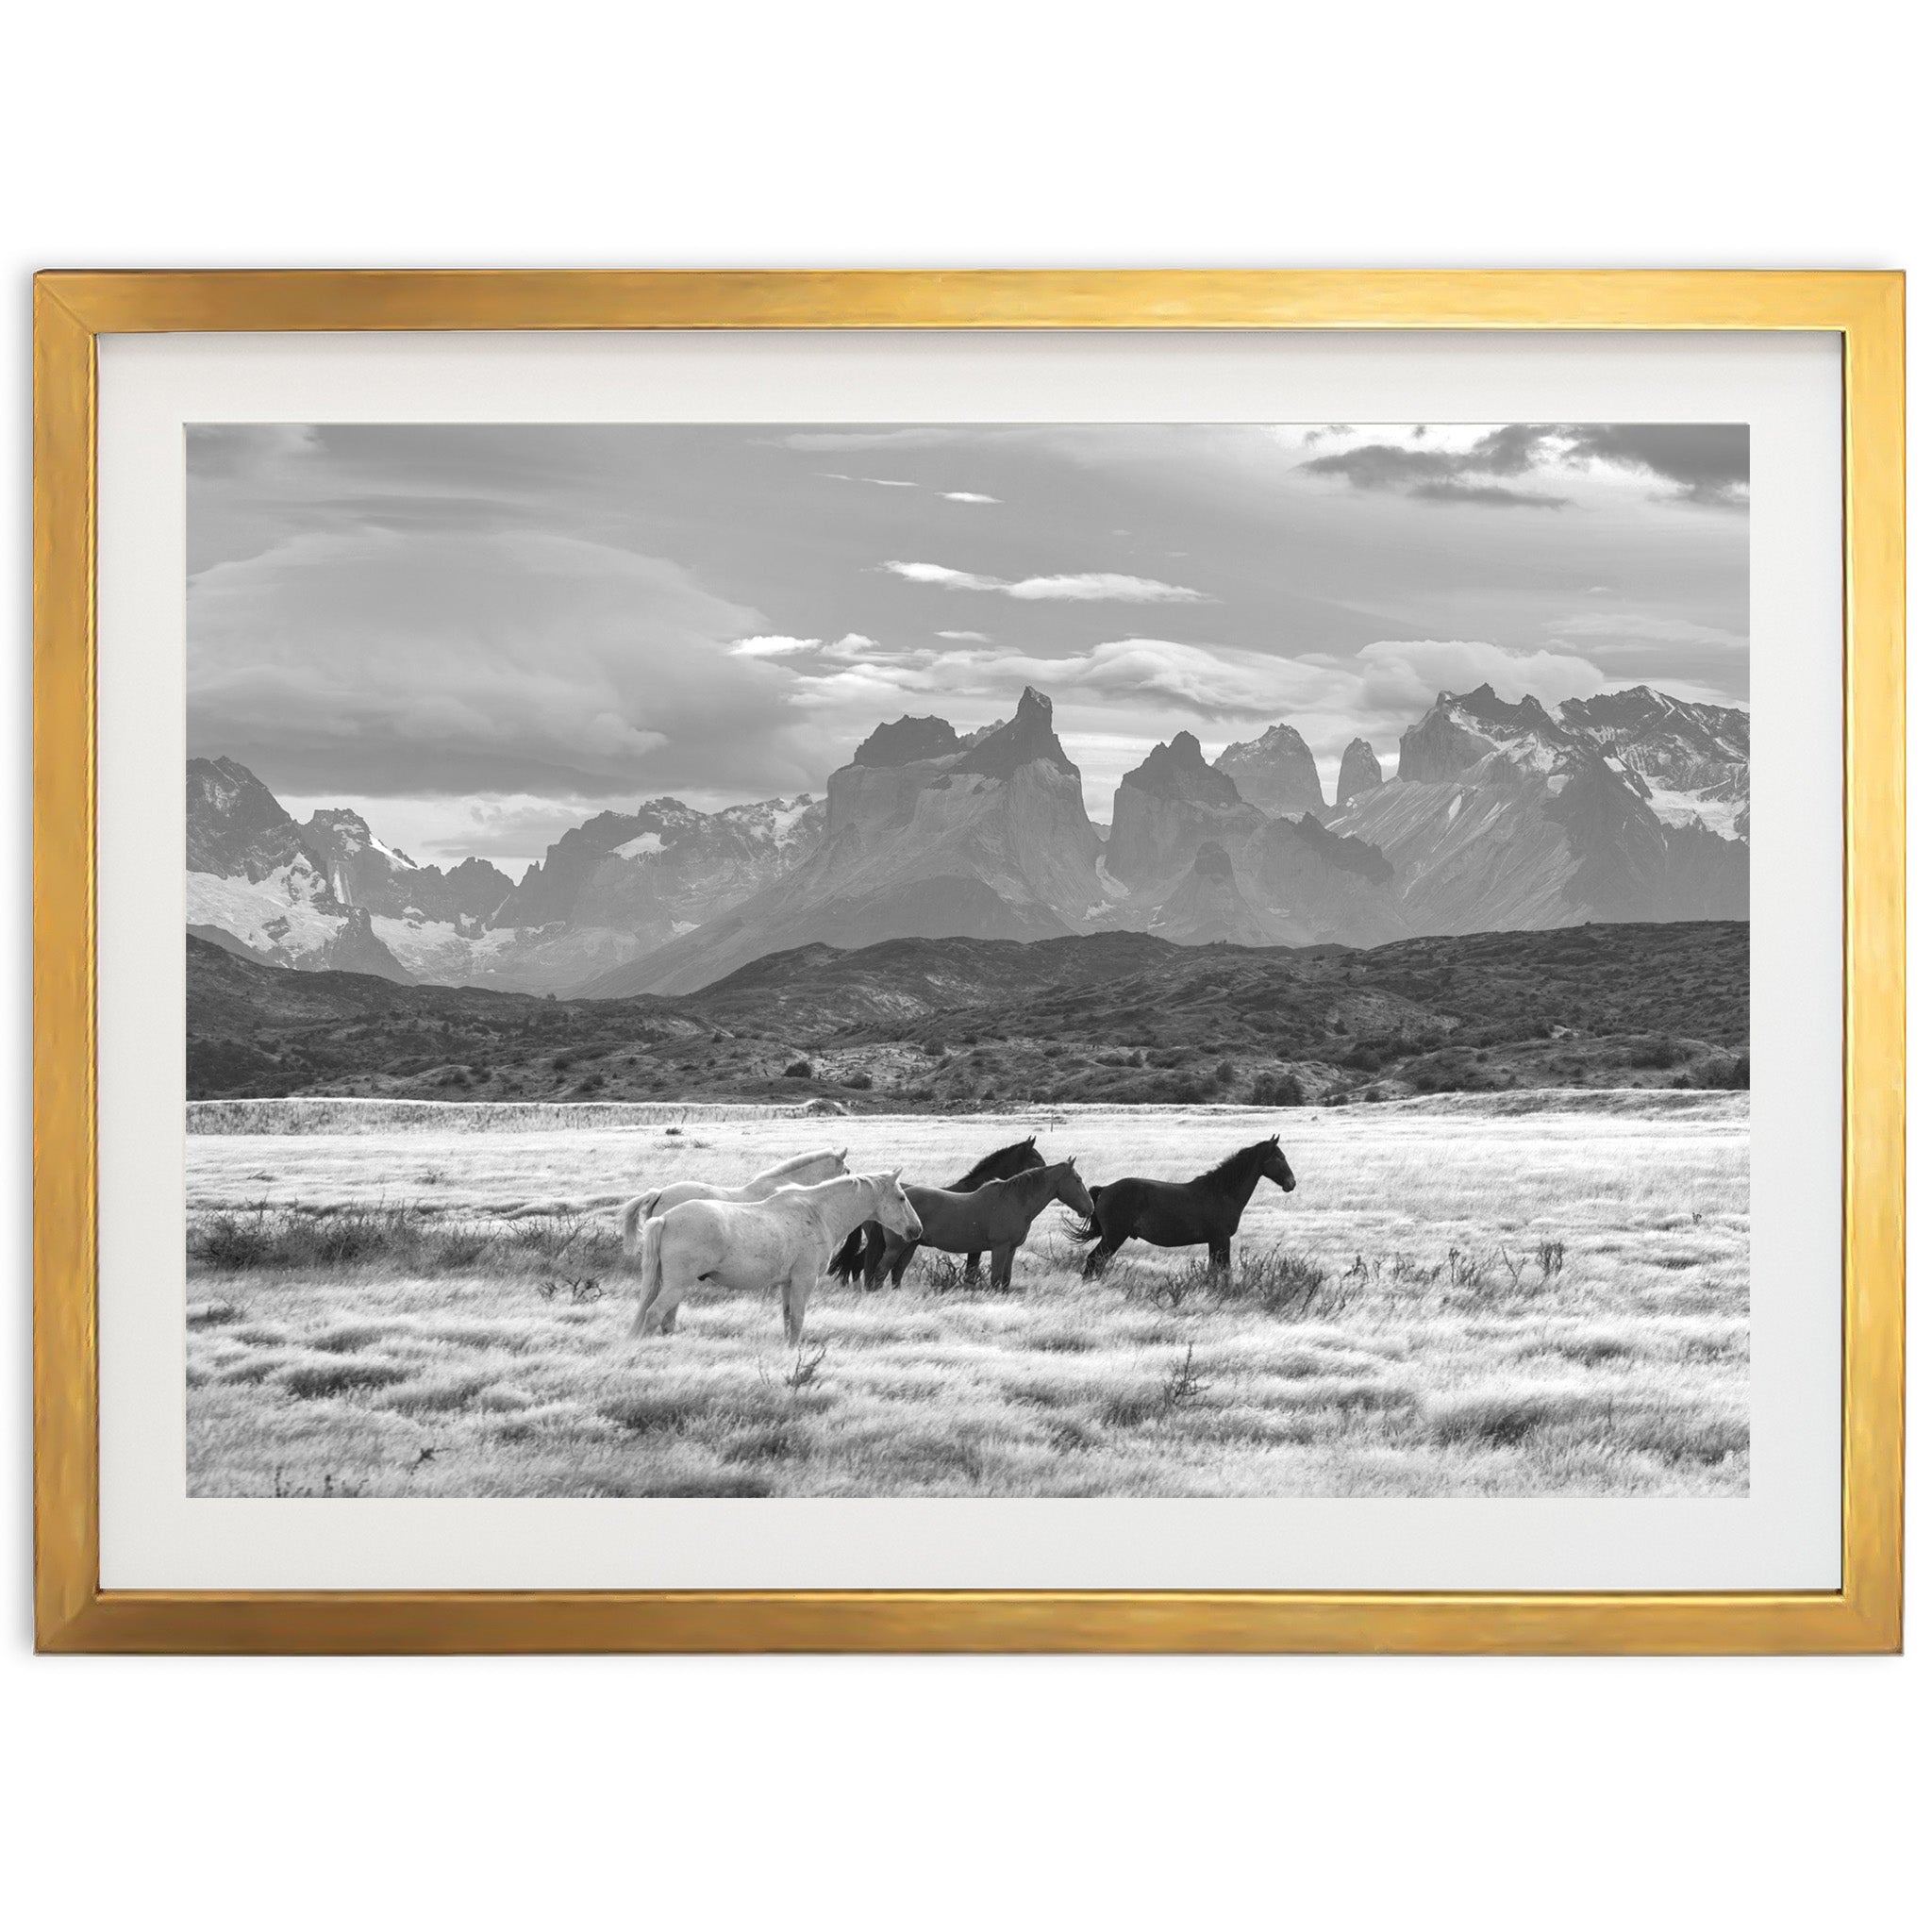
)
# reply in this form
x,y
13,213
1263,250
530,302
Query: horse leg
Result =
x,y
971,1272
1220,1254
876,1243
798,1287
1002,1267
1109,1246
902,1260
663,1309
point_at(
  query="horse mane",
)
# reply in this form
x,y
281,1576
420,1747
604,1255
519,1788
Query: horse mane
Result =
x,y
977,1172
797,1161
1234,1161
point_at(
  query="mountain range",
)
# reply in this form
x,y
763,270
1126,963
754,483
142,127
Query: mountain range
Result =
x,y
1629,806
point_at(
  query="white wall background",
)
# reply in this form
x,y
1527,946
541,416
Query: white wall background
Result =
x,y
1347,1792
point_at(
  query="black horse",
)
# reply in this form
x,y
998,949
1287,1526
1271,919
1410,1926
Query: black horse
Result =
x,y
1178,1215
864,1252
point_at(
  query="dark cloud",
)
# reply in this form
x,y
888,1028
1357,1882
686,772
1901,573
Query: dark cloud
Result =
x,y
1444,476
1708,463
1492,493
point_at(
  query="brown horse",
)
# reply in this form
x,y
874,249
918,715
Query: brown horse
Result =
x,y
1179,1214
865,1252
996,1216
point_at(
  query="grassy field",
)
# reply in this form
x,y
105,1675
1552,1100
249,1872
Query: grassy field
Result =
x,y
1465,1296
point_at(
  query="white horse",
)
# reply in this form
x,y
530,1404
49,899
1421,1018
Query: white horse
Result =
x,y
799,1171
786,1242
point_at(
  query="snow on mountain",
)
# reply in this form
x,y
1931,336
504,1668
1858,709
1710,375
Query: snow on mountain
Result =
x,y
1502,817
252,876
332,891
1694,760
1629,806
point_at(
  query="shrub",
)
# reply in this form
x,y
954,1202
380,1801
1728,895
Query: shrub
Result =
x,y
1658,1051
798,1069
860,1082
1277,1089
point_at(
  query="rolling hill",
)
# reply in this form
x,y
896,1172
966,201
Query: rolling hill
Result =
x,y
917,1023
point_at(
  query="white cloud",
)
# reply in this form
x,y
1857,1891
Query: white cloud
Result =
x,y
1401,679
1107,586
374,661
939,573
772,646
1652,629
1077,586
966,496
963,636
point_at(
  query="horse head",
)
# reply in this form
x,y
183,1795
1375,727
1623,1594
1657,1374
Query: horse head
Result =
x,y
892,1209
1274,1165
1068,1187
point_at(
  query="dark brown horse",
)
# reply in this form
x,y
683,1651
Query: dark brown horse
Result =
x,y
995,1216
865,1250
1181,1214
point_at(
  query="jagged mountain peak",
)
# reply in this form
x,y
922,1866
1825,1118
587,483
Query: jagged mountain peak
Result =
x,y
908,740
1274,772
1478,734
1178,770
1361,771
1026,738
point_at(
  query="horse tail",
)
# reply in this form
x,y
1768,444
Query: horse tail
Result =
x,y
650,1272
850,1259
1090,1230
636,1209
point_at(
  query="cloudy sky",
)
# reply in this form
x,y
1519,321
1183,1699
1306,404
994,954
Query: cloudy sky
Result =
x,y
480,634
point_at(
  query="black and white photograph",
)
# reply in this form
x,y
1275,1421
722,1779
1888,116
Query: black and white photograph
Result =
x,y
968,960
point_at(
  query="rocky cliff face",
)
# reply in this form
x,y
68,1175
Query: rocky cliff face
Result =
x,y
1626,807
332,892
251,877
1480,740
663,869
929,836
363,872
1276,773
1168,806
1208,907
1361,771
1693,761
1286,877
1314,887
1503,817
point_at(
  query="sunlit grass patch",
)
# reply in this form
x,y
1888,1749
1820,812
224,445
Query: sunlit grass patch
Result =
x,y
1342,1355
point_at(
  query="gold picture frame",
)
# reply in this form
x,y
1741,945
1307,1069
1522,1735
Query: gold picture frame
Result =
x,y
74,1613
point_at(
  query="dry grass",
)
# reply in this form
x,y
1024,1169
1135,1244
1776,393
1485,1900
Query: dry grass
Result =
x,y
1452,1303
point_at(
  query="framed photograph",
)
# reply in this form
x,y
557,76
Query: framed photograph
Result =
x,y
988,962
